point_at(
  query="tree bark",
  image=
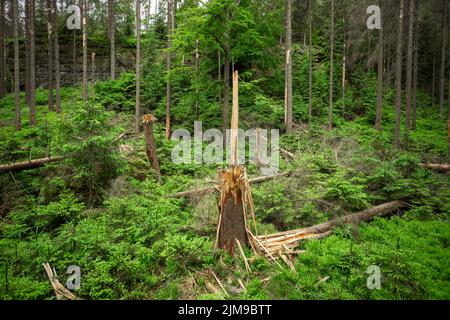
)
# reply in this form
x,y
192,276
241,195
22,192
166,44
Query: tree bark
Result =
x,y
18,166
409,60
433,85
288,75
137,111
32,64
26,78
112,37
32,101
226,91
437,166
380,79
169,65
197,57
84,10
442,79
57,62
50,26
344,57
2,50
398,76
330,106
310,64
15,14
415,70
150,146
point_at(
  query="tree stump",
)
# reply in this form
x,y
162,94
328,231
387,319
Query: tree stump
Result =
x,y
232,220
150,146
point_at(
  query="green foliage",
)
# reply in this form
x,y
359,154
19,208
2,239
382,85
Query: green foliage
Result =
x,y
90,149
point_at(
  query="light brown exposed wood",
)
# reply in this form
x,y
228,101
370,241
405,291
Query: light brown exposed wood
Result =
x,y
437,166
24,165
283,242
60,291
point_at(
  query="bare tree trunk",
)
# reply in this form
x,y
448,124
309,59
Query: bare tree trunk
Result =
x,y
32,98
433,85
2,50
398,76
84,10
150,146
169,65
409,59
196,78
310,64
444,36
137,113
330,107
74,56
112,37
15,17
31,164
26,78
344,52
50,26
288,75
219,75
57,64
415,70
226,91
380,79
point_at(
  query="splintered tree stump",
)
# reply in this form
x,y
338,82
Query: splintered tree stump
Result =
x,y
232,220
150,146
232,224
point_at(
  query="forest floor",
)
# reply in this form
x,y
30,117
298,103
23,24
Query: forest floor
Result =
x,y
101,209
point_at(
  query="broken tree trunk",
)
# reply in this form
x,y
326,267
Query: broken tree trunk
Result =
x,y
206,190
275,244
150,146
232,221
235,191
60,291
436,166
18,166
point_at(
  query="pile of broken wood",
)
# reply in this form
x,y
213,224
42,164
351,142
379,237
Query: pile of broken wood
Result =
x,y
283,244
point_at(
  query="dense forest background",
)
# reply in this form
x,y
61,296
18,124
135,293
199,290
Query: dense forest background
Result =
x,y
364,112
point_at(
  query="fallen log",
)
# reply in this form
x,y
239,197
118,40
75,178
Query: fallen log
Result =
x,y
31,164
355,218
436,166
206,190
273,245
